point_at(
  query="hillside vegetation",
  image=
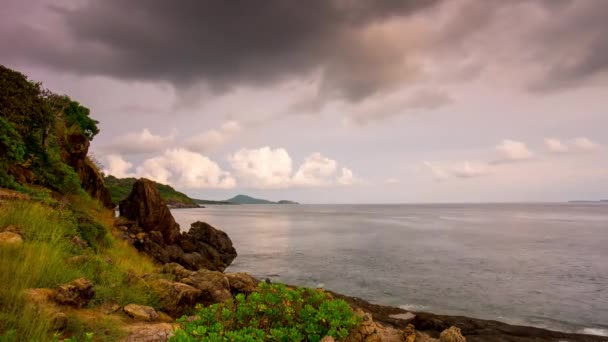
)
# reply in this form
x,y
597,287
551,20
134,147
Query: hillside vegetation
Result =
x,y
120,188
59,212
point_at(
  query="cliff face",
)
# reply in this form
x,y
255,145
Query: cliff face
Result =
x,y
150,227
75,155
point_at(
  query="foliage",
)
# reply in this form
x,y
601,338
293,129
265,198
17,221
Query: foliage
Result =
x,y
29,136
121,187
273,313
48,258
76,114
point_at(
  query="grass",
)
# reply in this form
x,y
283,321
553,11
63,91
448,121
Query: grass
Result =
x,y
47,258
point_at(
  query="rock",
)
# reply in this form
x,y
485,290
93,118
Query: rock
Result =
x,y
214,285
152,229
76,293
241,283
10,239
409,333
327,339
176,298
156,332
177,270
212,243
145,206
366,330
74,153
141,312
452,334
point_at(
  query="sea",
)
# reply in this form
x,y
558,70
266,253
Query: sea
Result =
x,y
537,264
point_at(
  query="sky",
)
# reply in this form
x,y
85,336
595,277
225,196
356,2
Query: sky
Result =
x,y
333,101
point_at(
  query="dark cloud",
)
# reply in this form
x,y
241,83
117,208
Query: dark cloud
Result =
x,y
222,43
564,41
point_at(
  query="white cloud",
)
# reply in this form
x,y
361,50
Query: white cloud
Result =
x,y
438,173
176,167
187,169
459,170
117,166
263,167
139,142
511,151
584,144
315,171
346,177
470,170
555,145
273,168
392,181
209,140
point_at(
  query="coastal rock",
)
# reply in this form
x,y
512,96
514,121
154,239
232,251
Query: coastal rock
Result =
x,y
366,330
145,206
141,312
452,334
241,283
176,298
473,329
10,239
77,293
148,224
214,285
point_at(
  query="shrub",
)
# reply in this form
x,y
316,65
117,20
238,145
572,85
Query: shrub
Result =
x,y
273,313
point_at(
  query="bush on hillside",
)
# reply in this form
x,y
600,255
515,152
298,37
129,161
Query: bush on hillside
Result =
x,y
273,313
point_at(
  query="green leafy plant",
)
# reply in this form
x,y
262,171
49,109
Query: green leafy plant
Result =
x,y
272,313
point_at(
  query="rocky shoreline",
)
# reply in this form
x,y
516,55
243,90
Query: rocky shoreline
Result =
x,y
474,329
197,259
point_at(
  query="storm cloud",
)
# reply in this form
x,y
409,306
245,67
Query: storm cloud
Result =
x,y
224,43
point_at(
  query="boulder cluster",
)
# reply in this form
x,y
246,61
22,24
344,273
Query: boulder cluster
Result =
x,y
148,224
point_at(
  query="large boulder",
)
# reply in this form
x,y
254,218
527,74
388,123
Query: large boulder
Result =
x,y
150,227
150,212
213,246
176,298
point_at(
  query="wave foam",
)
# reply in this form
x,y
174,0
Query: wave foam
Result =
x,y
595,331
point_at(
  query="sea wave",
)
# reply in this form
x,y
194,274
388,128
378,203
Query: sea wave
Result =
x,y
595,331
413,307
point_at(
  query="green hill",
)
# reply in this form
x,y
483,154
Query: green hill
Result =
x,y
121,187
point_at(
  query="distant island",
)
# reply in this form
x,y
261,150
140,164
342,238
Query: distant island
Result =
x,y
588,201
244,199
121,187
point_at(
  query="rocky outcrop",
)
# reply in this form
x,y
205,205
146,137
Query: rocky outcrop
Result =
x,y
202,286
176,298
75,152
151,228
77,293
141,312
474,330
